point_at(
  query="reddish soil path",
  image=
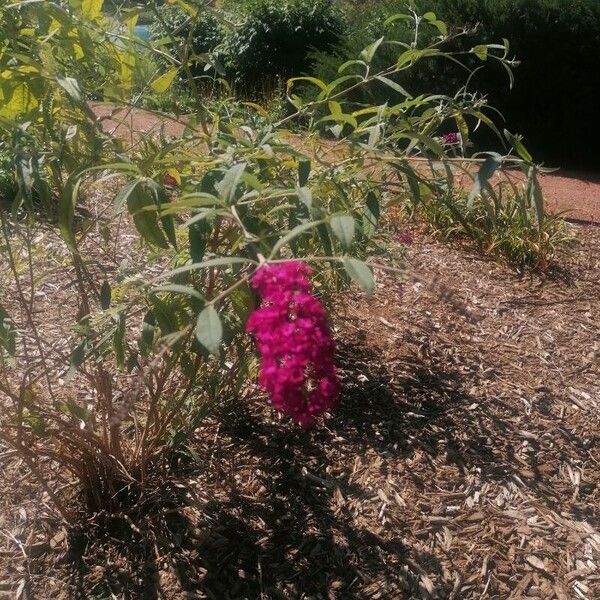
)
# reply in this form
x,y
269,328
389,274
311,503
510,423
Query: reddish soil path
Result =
x,y
576,194
573,192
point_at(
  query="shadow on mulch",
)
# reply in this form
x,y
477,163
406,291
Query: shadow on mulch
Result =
x,y
292,538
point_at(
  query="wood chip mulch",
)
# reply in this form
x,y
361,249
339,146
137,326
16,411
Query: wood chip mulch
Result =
x,y
463,462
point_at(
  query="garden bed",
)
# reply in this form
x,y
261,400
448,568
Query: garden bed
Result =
x,y
462,461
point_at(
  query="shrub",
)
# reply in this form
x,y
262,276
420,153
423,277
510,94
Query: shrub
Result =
x,y
276,37
107,382
176,28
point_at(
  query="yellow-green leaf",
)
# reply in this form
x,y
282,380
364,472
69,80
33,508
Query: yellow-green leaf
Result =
x,y
163,83
20,102
127,60
91,9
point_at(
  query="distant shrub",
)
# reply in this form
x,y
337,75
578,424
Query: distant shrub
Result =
x,y
276,38
175,25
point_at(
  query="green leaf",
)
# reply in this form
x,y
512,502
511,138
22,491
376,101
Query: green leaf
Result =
x,y
487,169
229,184
480,51
371,213
165,315
337,82
325,238
66,211
320,84
294,233
161,199
535,194
350,63
369,52
374,136
19,101
517,144
360,273
147,336
105,295
179,289
145,217
71,87
343,229
221,261
397,17
161,84
123,194
340,118
303,172
335,108
305,196
392,84
199,234
411,56
168,225
431,17
119,344
209,330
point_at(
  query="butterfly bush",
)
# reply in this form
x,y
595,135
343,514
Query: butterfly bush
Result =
x,y
295,343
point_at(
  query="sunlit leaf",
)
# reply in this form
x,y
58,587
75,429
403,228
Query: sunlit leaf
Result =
x,y
209,329
161,84
369,52
343,229
91,9
486,171
360,273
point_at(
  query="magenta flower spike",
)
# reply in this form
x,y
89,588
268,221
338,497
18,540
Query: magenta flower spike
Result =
x,y
295,343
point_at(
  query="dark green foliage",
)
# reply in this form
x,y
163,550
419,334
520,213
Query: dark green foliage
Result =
x,y
260,42
8,182
554,98
276,37
176,26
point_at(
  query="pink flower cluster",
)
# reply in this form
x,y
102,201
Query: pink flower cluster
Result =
x,y
450,138
295,343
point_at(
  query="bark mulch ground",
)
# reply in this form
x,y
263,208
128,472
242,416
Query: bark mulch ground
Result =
x,y
463,462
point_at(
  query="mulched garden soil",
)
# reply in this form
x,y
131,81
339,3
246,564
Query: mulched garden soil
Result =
x,y
463,461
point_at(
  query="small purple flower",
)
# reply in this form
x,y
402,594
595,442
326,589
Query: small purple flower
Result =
x,y
295,343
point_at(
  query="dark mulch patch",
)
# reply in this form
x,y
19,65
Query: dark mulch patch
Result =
x,y
462,462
